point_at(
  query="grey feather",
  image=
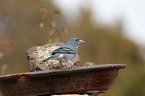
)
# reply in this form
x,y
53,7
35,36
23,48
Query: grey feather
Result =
x,y
67,51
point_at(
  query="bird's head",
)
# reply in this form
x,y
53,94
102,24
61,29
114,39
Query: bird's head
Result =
x,y
75,41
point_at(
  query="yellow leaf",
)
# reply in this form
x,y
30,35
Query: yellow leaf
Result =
x,y
56,12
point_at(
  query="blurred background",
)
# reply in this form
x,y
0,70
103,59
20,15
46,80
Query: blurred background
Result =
x,y
112,29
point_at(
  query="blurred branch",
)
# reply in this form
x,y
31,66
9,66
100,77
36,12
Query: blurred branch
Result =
x,y
51,20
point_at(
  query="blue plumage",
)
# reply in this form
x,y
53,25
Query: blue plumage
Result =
x,y
66,52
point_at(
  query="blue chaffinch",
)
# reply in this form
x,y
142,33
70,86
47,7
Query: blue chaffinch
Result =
x,y
66,52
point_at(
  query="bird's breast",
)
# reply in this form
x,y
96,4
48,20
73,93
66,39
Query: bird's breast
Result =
x,y
69,56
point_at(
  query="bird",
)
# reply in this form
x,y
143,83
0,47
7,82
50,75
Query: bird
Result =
x,y
66,52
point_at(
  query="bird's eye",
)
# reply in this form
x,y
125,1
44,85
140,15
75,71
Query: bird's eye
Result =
x,y
77,39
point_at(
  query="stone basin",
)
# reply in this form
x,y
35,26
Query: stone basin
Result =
x,y
97,78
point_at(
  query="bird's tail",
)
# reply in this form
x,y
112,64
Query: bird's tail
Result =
x,y
48,59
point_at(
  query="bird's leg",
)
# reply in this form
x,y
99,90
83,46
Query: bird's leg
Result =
x,y
76,64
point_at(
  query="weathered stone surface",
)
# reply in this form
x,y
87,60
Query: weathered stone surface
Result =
x,y
37,54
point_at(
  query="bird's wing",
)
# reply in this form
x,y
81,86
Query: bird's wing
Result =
x,y
64,50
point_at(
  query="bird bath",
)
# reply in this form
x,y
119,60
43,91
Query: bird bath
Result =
x,y
82,80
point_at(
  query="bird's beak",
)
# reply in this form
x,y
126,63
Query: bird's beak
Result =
x,y
81,41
